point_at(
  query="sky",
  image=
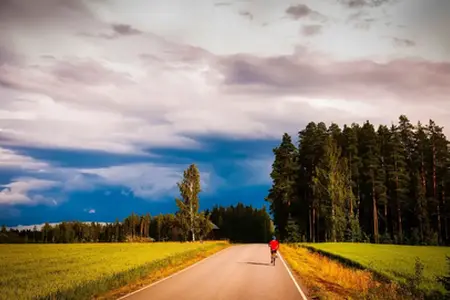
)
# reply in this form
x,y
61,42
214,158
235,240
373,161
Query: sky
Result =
x,y
104,103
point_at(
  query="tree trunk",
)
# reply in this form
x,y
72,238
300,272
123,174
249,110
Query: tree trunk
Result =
x,y
424,195
386,219
445,214
438,208
375,211
399,211
333,224
310,216
375,217
314,225
318,225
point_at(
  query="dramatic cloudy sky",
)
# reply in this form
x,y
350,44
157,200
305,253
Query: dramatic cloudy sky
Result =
x,y
103,103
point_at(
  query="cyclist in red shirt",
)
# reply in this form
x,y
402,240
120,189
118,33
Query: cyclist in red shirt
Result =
x,y
274,245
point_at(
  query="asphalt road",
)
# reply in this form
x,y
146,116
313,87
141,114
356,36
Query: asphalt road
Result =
x,y
239,272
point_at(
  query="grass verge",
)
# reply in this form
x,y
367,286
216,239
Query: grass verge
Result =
x,y
393,262
325,278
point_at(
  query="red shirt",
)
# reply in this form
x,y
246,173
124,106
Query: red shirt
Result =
x,y
274,245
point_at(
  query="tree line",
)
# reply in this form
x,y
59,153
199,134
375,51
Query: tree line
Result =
x,y
240,223
244,224
360,183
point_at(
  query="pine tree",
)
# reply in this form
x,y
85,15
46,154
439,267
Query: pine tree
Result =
x,y
421,148
439,166
333,183
283,182
384,141
371,173
350,151
398,177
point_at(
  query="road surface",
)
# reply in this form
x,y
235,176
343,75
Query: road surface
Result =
x,y
239,272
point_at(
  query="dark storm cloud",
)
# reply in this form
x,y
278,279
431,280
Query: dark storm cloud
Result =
x,y
302,75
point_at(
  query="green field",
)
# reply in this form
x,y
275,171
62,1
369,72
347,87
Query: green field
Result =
x,y
393,261
78,271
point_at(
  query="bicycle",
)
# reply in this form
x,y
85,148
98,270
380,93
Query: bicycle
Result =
x,y
273,258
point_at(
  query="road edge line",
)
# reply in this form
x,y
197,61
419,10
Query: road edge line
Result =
x,y
293,278
173,275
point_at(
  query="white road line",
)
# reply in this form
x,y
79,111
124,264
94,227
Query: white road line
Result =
x,y
173,275
293,278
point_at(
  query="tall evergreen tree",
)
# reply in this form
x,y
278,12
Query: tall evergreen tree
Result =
x,y
283,177
333,184
398,176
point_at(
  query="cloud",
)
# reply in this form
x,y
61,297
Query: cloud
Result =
x,y
301,11
165,91
403,42
144,180
11,159
311,30
21,191
90,211
222,4
124,29
361,20
257,170
320,77
365,3
246,14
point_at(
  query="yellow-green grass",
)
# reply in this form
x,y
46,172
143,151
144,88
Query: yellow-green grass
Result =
x,y
82,271
396,262
325,278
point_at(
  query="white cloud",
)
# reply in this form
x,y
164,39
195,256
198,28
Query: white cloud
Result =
x,y
21,191
90,211
256,171
12,159
144,180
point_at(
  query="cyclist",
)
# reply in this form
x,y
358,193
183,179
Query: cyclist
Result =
x,y
274,245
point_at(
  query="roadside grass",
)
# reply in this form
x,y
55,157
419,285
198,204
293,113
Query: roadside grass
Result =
x,y
325,278
83,271
394,262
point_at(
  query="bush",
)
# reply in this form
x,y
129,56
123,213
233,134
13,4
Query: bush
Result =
x,y
445,280
385,238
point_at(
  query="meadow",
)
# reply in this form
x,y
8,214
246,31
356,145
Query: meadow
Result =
x,y
80,271
396,262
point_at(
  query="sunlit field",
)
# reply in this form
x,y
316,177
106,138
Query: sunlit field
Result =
x,y
394,261
80,271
